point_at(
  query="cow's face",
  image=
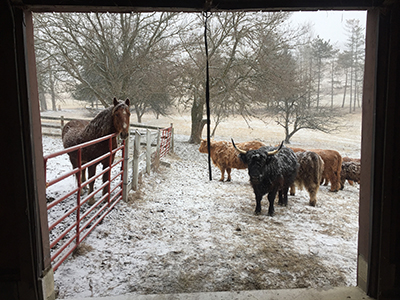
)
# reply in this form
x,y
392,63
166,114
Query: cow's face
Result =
x,y
203,146
256,162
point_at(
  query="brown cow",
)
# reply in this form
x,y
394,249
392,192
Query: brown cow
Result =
x,y
351,171
309,175
333,166
225,157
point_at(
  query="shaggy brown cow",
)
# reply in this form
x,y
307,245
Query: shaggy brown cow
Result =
x,y
351,171
333,166
348,159
225,157
309,175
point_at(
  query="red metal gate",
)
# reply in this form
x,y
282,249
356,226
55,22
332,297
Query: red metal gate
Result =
x,y
74,219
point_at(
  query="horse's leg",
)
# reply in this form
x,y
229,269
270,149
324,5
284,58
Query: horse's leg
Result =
x,y
83,179
91,172
74,161
106,175
106,164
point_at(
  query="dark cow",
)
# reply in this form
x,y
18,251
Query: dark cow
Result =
x,y
271,170
351,171
309,175
348,159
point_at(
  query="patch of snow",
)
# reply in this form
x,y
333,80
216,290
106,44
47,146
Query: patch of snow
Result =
x,y
181,232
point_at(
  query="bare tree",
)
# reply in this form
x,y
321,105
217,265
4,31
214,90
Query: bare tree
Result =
x,y
322,50
47,70
225,37
335,73
355,49
290,107
242,51
343,63
112,55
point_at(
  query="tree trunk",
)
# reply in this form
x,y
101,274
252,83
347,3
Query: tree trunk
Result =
x,y
138,114
351,87
319,83
42,100
53,100
52,89
344,92
332,87
197,120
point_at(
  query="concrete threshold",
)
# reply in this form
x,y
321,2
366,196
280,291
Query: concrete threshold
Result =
x,y
337,293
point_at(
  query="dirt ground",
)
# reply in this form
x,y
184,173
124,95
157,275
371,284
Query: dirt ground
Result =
x,y
183,233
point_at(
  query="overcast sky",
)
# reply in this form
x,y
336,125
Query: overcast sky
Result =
x,y
329,25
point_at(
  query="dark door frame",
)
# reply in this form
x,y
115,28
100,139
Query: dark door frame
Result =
x,y
26,273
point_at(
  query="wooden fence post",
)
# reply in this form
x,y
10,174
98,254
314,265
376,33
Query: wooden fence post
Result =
x,y
148,151
125,184
135,163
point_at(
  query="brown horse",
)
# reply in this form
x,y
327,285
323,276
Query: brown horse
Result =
x,y
114,119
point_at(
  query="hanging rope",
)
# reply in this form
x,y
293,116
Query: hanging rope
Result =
x,y
206,15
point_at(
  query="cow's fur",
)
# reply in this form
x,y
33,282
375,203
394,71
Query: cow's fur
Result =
x,y
348,159
309,175
351,171
225,157
270,174
332,168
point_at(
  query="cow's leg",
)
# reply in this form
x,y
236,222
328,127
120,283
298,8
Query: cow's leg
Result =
x,y
313,196
228,171
283,196
271,199
342,182
258,202
91,173
335,185
293,190
280,198
222,174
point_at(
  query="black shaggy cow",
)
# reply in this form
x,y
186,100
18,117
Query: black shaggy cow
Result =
x,y
271,170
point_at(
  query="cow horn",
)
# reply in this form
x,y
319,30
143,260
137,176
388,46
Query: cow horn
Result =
x,y
277,150
239,150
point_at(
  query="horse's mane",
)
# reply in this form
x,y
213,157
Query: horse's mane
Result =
x,y
100,126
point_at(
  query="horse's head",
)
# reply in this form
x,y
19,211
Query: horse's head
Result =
x,y
121,116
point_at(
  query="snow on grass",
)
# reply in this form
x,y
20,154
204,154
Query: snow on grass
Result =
x,y
183,233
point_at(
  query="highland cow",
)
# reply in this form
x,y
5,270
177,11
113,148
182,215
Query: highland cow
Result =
x,y
309,175
332,168
224,155
351,171
271,170
348,159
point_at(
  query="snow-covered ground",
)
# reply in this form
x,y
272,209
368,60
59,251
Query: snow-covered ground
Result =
x,y
182,233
